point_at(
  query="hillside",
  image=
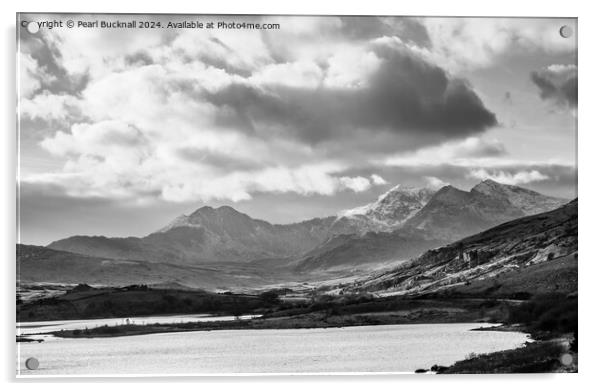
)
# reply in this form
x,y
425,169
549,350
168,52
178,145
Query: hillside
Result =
x,y
37,264
363,251
518,245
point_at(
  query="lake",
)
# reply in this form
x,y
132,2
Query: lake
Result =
x,y
29,328
386,348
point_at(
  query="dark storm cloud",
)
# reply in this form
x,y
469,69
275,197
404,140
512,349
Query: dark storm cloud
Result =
x,y
557,84
407,96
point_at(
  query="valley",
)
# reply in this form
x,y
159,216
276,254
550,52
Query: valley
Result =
x,y
497,254
224,249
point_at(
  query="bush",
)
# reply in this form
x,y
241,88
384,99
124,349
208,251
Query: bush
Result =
x,y
552,313
270,297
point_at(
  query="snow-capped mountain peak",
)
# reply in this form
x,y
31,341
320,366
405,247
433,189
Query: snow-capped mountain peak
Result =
x,y
390,210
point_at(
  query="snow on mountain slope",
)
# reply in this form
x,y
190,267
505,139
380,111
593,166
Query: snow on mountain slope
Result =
x,y
389,211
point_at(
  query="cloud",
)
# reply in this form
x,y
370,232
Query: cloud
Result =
x,y
378,180
357,184
405,96
115,159
370,27
434,182
517,178
561,177
222,115
557,83
468,152
32,75
461,44
48,107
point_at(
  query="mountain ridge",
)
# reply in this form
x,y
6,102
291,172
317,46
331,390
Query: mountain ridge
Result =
x,y
414,216
452,213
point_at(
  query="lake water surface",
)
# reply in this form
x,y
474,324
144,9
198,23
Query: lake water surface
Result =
x,y
388,348
37,328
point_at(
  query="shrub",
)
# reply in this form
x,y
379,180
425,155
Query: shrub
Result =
x,y
553,313
270,297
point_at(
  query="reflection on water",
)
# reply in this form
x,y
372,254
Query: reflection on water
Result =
x,y
390,348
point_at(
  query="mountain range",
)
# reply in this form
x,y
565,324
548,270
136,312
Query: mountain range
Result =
x,y
223,234
401,224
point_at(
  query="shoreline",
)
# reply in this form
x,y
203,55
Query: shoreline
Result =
x,y
251,324
549,321
323,313
545,352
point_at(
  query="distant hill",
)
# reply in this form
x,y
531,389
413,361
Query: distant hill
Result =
x,y
207,235
36,264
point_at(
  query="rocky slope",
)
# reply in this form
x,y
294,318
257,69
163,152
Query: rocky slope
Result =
x,y
517,245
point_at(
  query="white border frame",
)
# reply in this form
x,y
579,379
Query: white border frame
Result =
x,y
589,141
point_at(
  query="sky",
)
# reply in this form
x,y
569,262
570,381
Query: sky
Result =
x,y
122,130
